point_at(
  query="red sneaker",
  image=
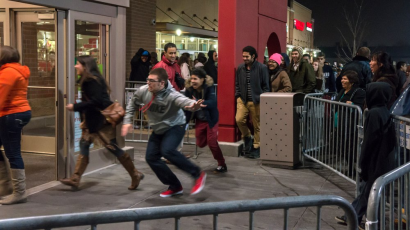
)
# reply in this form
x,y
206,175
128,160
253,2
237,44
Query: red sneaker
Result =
x,y
171,192
199,184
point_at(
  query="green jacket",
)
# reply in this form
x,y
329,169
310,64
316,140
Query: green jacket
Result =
x,y
303,79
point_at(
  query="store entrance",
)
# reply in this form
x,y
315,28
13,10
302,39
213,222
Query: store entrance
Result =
x,y
36,41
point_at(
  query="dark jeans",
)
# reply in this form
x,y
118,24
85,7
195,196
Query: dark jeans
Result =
x,y
166,145
360,203
10,137
113,148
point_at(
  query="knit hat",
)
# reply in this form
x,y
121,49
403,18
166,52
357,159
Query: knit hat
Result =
x,y
299,49
145,53
276,57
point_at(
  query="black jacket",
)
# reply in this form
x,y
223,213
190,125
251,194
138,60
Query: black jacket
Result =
x,y
209,95
402,79
140,69
356,95
378,148
330,79
393,81
259,81
361,66
210,67
94,98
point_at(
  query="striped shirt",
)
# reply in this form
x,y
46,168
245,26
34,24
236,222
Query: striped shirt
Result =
x,y
248,83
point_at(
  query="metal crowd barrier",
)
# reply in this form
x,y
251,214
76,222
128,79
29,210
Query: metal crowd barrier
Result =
x,y
330,135
178,211
389,200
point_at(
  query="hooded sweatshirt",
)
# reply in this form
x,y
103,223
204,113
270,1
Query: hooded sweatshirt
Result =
x,y
165,110
140,69
377,154
210,67
13,89
171,69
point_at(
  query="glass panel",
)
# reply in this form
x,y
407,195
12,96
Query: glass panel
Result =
x,y
87,42
38,53
192,44
165,39
203,45
180,42
213,45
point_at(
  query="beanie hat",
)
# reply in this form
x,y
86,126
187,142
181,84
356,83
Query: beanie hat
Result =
x,y
299,49
145,53
276,57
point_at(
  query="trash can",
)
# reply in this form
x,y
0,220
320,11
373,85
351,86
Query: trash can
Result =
x,y
280,128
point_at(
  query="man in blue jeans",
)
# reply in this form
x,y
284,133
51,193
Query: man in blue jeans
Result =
x,y
163,105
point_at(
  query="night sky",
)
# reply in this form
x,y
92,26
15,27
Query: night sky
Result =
x,y
388,21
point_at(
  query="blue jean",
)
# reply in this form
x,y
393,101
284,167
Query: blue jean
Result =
x,y
166,145
10,137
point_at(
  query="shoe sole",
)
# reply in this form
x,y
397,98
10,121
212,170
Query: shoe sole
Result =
x,y
174,194
339,221
200,188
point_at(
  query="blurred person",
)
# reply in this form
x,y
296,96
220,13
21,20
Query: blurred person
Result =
x,y
378,147
285,61
154,60
307,58
164,109
318,69
279,79
301,73
383,71
169,63
140,65
201,61
359,64
183,64
15,113
351,92
252,79
195,61
95,128
401,68
201,86
328,73
210,66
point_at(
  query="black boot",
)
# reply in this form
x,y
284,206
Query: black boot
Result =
x,y
248,143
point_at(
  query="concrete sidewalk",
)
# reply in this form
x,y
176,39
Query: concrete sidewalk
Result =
x,y
246,179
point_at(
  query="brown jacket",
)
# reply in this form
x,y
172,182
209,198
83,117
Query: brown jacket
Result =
x,y
281,83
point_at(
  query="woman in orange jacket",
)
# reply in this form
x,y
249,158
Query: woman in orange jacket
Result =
x,y
15,113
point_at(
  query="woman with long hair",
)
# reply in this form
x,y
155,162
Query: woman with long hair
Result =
x,y
383,71
15,113
95,98
320,86
279,79
183,64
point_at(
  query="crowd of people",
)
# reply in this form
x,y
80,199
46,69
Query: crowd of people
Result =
x,y
178,91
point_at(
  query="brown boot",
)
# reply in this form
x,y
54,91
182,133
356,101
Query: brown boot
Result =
x,y
136,176
5,180
80,166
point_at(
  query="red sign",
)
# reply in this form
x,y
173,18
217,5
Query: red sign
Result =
x,y
299,25
309,26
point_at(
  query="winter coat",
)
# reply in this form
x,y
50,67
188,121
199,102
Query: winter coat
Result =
x,y
140,69
330,79
94,98
378,148
259,81
13,89
356,95
362,67
171,69
402,80
165,110
210,68
393,81
303,78
280,82
209,95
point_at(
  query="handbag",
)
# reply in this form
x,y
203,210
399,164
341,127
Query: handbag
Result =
x,y
114,113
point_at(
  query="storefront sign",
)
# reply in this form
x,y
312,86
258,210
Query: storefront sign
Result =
x,y
299,25
309,26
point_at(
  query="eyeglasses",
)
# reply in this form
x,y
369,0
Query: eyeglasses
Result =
x,y
151,80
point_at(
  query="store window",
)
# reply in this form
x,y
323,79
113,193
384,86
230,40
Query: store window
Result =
x,y
203,45
213,45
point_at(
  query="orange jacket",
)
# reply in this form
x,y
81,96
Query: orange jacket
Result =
x,y
13,88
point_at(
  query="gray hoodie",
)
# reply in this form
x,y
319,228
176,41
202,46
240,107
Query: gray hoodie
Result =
x,y
165,110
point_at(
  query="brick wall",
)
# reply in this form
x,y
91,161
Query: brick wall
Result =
x,y
42,101
140,32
